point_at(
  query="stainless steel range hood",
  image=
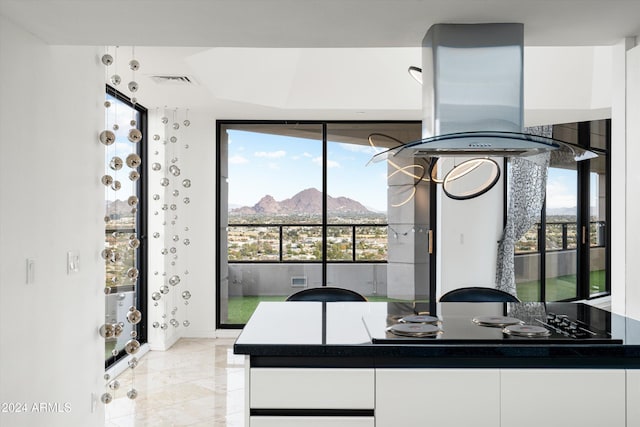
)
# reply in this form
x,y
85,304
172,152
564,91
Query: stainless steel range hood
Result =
x,y
473,94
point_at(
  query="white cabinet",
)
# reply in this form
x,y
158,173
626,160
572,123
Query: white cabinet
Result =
x,y
437,397
563,397
312,422
291,388
633,397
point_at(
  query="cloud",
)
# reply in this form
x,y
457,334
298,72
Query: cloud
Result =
x,y
273,166
330,163
307,155
270,154
364,149
237,160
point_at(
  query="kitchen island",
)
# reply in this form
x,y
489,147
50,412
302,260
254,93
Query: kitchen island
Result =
x,y
336,364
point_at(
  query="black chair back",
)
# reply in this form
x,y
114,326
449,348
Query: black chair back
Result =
x,y
478,294
326,294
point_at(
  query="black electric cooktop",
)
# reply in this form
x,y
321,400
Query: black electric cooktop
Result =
x,y
488,323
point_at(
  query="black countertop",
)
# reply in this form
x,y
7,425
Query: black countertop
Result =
x,y
354,334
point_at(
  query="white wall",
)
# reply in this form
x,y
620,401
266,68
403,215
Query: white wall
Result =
x,y
52,202
197,163
632,249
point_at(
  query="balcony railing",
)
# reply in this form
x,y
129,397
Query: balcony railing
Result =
x,y
362,242
560,236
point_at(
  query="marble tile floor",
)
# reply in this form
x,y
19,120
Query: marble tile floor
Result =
x,y
198,383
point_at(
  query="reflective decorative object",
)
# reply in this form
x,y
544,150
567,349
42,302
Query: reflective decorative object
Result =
x,y
133,160
132,346
135,135
156,137
133,273
186,242
115,163
173,250
155,325
156,235
156,296
132,200
186,200
176,126
164,251
107,59
174,170
164,182
132,394
134,65
165,207
186,295
106,398
164,289
186,323
134,176
174,159
106,377
133,362
164,326
107,104
175,238
175,193
106,180
186,123
116,80
116,185
186,146
156,166
156,197
115,352
133,334
106,330
107,137
114,385
117,329
133,86
174,323
186,183
134,317
134,243
164,120
173,139
115,126
173,206
134,100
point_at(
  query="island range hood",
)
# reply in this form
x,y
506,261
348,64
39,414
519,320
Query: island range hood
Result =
x,y
472,95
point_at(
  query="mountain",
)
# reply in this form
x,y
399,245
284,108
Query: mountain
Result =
x,y
307,201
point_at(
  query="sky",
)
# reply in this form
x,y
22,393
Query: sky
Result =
x,y
261,164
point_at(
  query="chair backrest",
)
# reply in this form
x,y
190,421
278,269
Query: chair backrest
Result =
x,y
478,294
326,294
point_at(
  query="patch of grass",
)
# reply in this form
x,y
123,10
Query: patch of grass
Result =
x,y
560,288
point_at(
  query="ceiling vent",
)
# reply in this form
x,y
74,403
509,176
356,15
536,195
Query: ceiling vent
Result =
x,y
174,80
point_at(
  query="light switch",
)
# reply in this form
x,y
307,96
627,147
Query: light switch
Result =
x,y
73,262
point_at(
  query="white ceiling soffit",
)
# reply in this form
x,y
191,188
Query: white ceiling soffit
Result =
x,y
316,78
313,23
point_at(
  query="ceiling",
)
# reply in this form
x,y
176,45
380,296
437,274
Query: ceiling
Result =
x,y
278,58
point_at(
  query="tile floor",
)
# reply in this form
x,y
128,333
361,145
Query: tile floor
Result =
x,y
198,382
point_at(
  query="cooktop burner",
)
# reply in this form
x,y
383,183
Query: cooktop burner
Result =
x,y
496,321
528,331
416,330
419,318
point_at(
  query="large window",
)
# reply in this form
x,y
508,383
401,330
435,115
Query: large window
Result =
x,y
564,256
125,207
299,207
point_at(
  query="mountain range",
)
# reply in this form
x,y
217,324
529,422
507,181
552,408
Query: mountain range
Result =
x,y
307,201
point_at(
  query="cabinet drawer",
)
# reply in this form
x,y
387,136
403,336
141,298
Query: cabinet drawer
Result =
x,y
279,388
312,422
